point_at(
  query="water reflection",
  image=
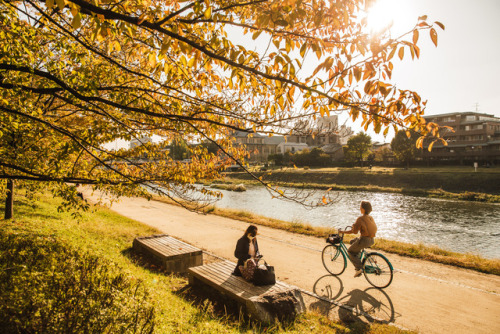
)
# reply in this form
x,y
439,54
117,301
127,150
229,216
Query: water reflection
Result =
x,y
455,225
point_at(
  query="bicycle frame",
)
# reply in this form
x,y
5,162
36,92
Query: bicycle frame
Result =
x,y
378,270
343,249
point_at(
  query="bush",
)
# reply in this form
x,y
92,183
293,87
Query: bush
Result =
x,y
45,287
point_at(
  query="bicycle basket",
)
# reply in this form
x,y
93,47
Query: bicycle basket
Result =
x,y
334,239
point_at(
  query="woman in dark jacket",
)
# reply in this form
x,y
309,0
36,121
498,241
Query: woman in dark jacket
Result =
x,y
246,248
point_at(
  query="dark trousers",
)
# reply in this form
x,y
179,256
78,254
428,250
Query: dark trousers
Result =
x,y
357,245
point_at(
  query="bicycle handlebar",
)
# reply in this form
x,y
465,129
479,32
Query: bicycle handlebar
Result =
x,y
347,228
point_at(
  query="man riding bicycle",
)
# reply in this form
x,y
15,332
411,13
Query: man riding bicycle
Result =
x,y
367,228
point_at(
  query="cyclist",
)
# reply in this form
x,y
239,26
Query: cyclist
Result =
x,y
367,228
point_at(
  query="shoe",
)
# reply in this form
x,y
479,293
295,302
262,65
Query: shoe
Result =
x,y
358,272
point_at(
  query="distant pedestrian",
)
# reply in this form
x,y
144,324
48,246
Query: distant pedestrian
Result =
x,y
367,228
246,248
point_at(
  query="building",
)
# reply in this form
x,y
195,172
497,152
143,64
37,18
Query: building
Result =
x,y
259,146
325,133
139,141
291,147
475,138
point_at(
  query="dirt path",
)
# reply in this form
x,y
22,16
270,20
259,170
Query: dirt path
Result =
x,y
424,296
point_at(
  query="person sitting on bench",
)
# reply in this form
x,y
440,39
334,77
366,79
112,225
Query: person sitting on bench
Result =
x,y
246,248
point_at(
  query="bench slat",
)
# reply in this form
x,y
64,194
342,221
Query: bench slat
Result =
x,y
219,276
174,255
237,283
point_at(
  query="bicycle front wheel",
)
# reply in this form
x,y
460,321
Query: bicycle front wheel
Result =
x,y
334,260
377,270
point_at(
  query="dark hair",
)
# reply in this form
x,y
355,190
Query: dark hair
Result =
x,y
252,229
367,207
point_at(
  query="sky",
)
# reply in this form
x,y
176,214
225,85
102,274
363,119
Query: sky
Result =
x,y
463,72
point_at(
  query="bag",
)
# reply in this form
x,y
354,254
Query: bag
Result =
x,y
334,239
265,276
248,270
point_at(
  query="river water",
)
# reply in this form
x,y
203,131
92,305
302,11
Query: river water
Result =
x,y
461,226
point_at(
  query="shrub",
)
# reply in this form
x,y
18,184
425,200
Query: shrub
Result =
x,y
45,287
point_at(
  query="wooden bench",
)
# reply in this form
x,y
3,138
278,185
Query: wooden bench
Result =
x,y
264,303
172,254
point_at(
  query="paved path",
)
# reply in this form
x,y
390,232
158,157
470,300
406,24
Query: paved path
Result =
x,y
426,297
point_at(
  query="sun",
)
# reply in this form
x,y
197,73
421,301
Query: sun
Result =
x,y
389,14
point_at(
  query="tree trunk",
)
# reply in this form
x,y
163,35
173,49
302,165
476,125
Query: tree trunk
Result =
x,y
9,200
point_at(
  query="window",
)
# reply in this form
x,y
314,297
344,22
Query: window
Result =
x,y
448,119
470,118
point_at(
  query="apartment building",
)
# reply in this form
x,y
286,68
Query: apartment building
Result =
x,y
475,138
259,146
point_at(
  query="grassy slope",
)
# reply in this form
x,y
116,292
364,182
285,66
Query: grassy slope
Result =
x,y
110,236
444,182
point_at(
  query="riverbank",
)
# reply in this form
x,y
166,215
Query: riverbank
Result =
x,y
424,296
418,251
460,183
59,271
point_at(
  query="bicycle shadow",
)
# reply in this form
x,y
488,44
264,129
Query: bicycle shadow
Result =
x,y
368,306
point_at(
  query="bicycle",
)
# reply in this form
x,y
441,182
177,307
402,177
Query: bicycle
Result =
x,y
377,269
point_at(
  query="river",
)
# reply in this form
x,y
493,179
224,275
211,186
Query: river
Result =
x,y
461,226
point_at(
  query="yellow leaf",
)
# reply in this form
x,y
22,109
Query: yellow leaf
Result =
x,y
256,34
60,4
341,82
420,142
324,200
393,51
77,21
208,13
50,4
440,25
401,53
415,36
430,146
434,36
303,49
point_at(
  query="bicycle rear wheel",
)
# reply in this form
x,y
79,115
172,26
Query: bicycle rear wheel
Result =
x,y
377,270
334,260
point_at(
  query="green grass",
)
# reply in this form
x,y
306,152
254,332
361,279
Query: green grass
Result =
x,y
104,238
